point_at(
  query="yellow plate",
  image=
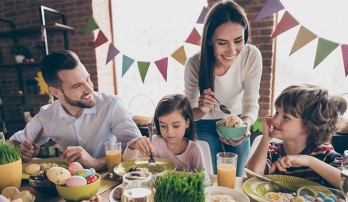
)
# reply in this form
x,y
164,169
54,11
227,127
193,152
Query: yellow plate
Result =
x,y
162,166
256,188
58,160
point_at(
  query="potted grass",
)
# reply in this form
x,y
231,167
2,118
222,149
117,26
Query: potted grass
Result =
x,y
10,165
20,52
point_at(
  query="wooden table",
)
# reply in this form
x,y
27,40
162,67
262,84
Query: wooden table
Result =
x,y
105,195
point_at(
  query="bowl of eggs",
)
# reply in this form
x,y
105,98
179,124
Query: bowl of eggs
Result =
x,y
75,183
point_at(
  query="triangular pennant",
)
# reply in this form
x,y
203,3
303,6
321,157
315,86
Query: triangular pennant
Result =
x,y
90,26
180,55
201,17
287,22
194,37
344,48
324,48
112,52
270,7
162,66
143,67
101,39
304,36
126,64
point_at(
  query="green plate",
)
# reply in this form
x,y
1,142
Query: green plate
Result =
x,y
163,166
58,160
256,188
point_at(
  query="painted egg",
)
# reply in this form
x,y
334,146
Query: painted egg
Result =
x,y
58,175
3,199
84,173
93,171
75,181
74,167
91,178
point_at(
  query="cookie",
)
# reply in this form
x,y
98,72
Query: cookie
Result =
x,y
9,192
26,196
32,168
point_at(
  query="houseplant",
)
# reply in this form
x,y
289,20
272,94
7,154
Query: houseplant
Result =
x,y
20,52
10,165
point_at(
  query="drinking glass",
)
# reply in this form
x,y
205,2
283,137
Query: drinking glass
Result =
x,y
137,187
113,155
226,169
344,175
2,136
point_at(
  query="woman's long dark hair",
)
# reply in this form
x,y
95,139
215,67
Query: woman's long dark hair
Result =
x,y
222,12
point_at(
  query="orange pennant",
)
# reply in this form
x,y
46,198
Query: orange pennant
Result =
x,y
304,36
180,55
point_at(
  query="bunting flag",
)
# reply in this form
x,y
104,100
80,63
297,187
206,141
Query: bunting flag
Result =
x,y
90,26
143,67
101,39
287,22
324,48
304,36
112,52
202,16
162,66
194,37
270,7
126,64
180,55
344,48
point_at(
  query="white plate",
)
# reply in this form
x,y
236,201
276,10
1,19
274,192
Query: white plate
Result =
x,y
111,198
237,195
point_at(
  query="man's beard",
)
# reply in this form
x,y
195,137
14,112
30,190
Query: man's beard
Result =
x,y
77,103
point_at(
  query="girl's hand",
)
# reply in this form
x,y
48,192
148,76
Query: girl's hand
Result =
x,y
234,143
143,145
206,101
289,161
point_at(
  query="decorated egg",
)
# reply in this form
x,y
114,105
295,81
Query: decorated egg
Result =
x,y
84,173
91,178
3,199
74,167
58,175
75,181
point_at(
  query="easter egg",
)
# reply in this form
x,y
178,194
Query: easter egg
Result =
x,y
75,181
74,167
84,173
58,175
3,199
91,178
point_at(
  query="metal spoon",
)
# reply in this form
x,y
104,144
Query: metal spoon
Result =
x,y
223,108
151,162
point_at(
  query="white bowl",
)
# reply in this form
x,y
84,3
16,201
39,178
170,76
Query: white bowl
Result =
x,y
237,195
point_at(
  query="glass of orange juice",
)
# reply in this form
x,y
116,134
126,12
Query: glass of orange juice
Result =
x,y
113,155
226,169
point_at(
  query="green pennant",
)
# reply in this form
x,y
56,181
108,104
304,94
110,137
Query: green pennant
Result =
x,y
143,67
90,26
324,48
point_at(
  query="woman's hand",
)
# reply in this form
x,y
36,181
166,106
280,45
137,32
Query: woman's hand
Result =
x,y
235,143
143,145
206,101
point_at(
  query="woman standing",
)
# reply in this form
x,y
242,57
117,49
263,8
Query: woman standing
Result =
x,y
229,70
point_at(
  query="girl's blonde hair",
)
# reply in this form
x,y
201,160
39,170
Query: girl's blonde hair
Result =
x,y
319,112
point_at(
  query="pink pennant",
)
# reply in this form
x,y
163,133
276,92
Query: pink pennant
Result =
x,y
101,39
287,22
344,48
270,7
112,52
162,66
194,38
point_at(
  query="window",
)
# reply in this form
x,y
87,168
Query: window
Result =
x,y
327,20
149,31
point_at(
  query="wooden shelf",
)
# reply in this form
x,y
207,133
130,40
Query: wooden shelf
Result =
x,y
35,30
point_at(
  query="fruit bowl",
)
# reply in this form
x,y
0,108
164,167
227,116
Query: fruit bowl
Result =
x,y
231,133
79,193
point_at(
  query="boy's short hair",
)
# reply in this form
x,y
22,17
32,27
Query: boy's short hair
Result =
x,y
319,112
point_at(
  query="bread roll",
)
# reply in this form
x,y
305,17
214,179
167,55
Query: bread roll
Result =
x,y
9,192
32,168
26,196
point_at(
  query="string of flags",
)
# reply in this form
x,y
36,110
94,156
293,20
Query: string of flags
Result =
x,y
143,66
304,36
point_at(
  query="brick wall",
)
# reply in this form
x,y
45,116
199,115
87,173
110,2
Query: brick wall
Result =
x,y
26,13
